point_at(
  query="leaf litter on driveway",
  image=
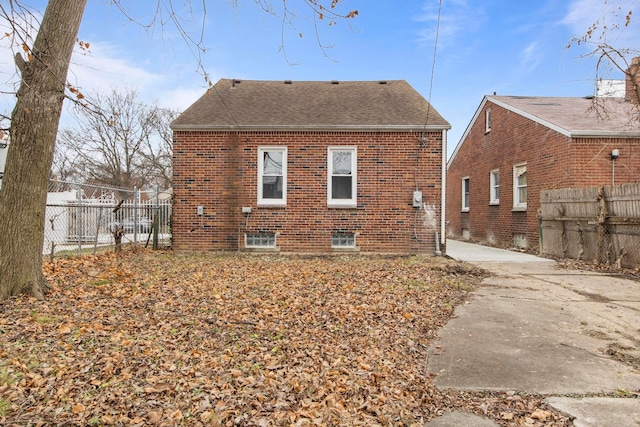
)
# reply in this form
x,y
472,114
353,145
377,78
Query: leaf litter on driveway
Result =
x,y
156,338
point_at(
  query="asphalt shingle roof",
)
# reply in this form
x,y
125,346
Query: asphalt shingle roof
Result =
x,y
577,116
311,105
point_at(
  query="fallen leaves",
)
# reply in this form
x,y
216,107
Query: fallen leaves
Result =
x,y
165,339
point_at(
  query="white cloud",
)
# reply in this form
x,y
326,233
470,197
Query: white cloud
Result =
x,y
98,71
174,86
530,57
583,14
456,17
181,98
104,68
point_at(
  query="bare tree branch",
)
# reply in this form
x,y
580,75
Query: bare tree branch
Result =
x,y
610,59
43,50
120,142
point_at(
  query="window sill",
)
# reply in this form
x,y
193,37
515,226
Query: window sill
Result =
x,y
265,249
271,205
342,205
464,210
519,209
345,249
494,203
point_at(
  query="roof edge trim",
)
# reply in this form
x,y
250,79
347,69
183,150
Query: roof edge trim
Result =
x,y
412,128
467,130
605,134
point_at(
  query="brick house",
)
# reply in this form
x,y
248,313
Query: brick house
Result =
x,y
516,146
309,167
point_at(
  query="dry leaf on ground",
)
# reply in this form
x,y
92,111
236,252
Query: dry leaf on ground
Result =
x,y
155,338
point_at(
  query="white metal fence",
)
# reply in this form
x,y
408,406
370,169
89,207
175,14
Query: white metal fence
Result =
x,y
82,218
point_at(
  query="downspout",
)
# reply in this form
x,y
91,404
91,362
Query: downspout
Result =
x,y
443,199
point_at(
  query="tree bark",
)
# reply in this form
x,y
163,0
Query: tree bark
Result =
x,y
34,126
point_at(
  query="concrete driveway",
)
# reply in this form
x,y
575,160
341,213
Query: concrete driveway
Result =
x,y
535,328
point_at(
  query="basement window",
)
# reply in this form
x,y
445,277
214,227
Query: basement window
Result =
x,y
260,240
343,240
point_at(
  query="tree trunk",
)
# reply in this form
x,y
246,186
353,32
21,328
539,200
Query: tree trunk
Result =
x,y
34,126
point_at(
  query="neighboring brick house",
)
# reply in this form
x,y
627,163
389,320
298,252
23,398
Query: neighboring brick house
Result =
x,y
309,167
517,146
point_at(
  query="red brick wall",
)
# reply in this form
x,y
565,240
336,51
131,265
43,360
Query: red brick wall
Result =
x,y
218,170
592,165
553,161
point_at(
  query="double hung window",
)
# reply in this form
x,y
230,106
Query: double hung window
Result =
x,y
494,187
520,186
465,194
342,176
272,176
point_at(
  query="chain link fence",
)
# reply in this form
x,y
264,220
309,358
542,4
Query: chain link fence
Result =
x,y
82,218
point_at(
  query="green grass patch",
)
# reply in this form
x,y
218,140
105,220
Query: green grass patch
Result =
x,y
43,318
4,407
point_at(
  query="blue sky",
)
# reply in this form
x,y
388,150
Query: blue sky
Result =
x,y
504,46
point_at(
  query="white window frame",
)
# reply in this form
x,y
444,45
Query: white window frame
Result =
x,y
517,203
494,187
465,201
487,120
265,201
353,201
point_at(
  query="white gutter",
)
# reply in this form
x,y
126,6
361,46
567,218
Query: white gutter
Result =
x,y
307,128
443,200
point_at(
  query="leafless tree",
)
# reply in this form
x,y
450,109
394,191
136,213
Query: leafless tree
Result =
x,y
42,64
34,124
158,153
598,40
119,141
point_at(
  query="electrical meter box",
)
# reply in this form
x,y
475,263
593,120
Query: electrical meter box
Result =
x,y
417,199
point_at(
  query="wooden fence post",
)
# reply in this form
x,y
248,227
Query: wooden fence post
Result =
x,y
118,230
602,248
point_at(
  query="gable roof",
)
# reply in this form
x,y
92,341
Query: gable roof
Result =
x,y
573,117
577,117
310,105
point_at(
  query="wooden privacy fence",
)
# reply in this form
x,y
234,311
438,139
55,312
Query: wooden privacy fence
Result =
x,y
592,224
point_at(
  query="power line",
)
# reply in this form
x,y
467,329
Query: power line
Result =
x,y
433,64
